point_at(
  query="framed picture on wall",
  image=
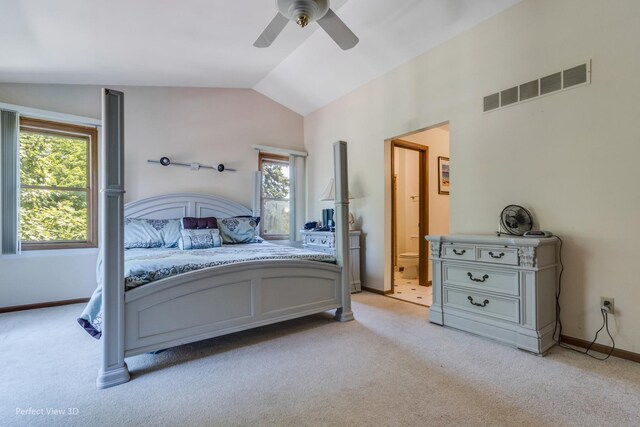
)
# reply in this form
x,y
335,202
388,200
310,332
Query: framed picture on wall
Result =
x,y
443,175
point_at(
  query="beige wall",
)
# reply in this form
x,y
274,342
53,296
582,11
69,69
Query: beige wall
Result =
x,y
202,125
547,154
437,139
207,126
407,169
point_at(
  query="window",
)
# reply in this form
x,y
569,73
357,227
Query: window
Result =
x,y
58,185
274,197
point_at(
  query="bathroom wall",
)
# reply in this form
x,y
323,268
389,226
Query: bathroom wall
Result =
x,y
437,140
407,165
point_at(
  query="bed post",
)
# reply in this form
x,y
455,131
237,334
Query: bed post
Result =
x,y
113,369
343,313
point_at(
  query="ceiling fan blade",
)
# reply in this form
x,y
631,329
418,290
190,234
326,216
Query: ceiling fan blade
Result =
x,y
338,31
270,33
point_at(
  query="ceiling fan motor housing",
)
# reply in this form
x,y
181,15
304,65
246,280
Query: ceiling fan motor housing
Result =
x,y
303,11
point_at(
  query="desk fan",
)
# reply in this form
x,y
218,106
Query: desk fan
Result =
x,y
515,220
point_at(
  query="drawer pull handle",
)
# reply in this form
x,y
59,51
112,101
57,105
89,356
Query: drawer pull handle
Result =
x,y
475,279
484,303
312,240
462,252
500,255
324,242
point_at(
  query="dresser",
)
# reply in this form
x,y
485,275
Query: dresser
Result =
x,y
502,288
325,241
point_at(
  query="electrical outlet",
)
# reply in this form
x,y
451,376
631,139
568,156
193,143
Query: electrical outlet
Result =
x,y
610,302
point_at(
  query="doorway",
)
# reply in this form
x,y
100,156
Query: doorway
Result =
x,y
409,218
418,205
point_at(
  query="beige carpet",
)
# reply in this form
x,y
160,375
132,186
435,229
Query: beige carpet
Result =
x,y
389,367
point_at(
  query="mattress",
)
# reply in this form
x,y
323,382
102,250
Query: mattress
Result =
x,y
143,266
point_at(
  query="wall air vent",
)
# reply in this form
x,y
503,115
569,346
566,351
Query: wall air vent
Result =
x,y
552,83
491,102
509,96
529,90
574,76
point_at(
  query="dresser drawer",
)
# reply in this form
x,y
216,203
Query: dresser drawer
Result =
x,y
319,242
502,308
497,255
462,252
486,279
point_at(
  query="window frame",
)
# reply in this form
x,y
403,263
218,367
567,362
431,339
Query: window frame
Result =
x,y
28,124
276,158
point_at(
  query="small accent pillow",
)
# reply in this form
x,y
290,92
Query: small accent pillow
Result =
x,y
239,230
192,223
151,233
199,239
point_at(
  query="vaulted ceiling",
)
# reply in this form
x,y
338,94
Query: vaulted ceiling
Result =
x,y
209,43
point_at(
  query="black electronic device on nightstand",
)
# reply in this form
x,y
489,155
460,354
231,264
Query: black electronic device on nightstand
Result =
x,y
327,219
311,225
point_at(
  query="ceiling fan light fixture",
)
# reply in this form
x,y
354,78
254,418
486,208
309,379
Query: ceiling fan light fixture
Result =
x,y
303,12
302,20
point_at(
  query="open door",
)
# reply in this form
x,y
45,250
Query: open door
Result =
x,y
422,196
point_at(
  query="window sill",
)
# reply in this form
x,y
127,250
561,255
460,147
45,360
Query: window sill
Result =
x,y
271,238
28,247
42,253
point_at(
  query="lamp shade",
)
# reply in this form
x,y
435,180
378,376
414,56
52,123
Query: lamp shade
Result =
x,y
329,193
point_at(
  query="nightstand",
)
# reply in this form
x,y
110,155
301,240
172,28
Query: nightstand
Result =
x,y
325,241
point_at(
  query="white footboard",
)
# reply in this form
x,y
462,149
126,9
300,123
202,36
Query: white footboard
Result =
x,y
220,300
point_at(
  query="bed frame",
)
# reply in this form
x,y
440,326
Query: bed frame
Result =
x,y
210,302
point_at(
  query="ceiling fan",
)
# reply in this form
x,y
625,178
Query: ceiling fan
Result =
x,y
303,12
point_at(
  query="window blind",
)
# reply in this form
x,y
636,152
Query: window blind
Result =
x,y
297,184
10,179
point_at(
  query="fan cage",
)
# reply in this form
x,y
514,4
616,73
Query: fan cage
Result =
x,y
516,220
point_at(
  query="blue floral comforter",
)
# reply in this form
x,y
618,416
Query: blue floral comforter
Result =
x,y
144,266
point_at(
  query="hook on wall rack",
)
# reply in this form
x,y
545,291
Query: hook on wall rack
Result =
x,y
165,161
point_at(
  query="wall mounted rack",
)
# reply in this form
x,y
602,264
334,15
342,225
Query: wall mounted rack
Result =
x,y
165,161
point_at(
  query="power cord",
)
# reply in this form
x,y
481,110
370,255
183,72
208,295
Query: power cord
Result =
x,y
604,310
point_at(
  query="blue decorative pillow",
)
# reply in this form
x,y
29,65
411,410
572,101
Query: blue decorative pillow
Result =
x,y
199,239
239,230
151,233
171,233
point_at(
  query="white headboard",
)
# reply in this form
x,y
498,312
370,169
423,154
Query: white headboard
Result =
x,y
177,205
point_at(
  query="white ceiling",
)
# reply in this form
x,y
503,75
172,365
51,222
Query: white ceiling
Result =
x,y
209,43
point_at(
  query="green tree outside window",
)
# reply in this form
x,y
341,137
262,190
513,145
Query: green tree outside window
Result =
x,y
275,199
55,186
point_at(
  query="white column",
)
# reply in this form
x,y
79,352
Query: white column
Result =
x,y
113,370
341,216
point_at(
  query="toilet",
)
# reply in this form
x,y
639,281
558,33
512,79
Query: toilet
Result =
x,y
409,261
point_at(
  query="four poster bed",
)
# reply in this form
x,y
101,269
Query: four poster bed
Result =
x,y
207,302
